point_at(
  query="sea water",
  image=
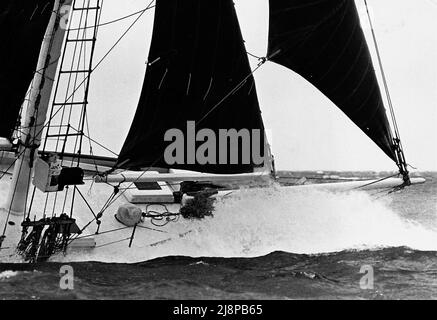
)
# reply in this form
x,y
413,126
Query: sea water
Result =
x,y
272,244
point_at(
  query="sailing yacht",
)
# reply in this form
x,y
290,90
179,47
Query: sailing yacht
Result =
x,y
62,202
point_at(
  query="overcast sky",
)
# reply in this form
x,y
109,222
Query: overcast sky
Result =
x,y
308,131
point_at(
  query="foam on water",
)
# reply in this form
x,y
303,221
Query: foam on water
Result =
x,y
8,274
257,222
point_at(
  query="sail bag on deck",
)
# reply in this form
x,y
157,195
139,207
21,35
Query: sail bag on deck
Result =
x,y
23,24
197,59
324,43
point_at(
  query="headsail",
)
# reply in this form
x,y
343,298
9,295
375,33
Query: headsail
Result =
x,y
324,43
197,58
23,24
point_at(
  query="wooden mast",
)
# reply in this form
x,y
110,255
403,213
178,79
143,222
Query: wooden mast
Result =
x,y
36,112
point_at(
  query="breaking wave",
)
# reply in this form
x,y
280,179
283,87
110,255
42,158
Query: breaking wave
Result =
x,y
257,222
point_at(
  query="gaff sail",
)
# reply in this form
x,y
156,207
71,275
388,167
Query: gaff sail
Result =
x,y
198,71
324,43
23,24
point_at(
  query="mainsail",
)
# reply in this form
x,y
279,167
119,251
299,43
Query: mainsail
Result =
x,y
198,71
323,42
23,24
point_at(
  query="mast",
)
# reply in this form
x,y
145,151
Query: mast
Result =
x,y
35,115
23,25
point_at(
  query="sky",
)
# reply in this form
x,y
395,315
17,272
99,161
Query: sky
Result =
x,y
307,131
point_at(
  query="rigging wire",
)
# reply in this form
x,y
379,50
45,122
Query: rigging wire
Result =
x,y
375,182
402,162
254,56
68,99
70,76
82,50
384,77
112,242
235,89
95,67
124,34
87,135
86,88
116,20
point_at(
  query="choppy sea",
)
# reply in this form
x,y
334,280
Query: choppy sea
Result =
x,y
352,246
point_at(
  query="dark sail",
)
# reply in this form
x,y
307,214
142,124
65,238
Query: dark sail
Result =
x,y
323,42
23,24
197,58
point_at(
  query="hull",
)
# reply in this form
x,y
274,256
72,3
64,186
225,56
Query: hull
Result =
x,y
119,244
